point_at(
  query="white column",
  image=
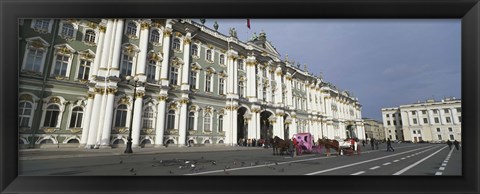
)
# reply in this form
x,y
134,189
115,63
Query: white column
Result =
x,y
278,91
227,126
86,121
269,87
160,127
166,55
142,54
289,90
106,45
107,125
117,47
235,124
137,116
98,52
251,78
93,125
182,131
186,63
293,126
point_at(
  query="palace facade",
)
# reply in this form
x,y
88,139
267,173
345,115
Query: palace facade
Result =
x,y
432,121
190,83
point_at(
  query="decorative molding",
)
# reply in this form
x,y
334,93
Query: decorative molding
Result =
x,y
26,97
49,129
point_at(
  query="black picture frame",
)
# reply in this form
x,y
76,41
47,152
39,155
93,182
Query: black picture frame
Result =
x,y
466,10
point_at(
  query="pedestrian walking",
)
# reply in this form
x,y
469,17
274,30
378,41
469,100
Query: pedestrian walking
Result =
x,y
376,144
449,143
372,141
456,144
363,143
389,145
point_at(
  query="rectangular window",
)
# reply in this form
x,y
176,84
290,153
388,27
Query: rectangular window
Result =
x,y
84,69
439,137
61,65
424,112
221,85
425,120
414,121
448,119
173,76
34,60
151,68
388,115
435,111
42,24
450,129
193,80
459,110
436,120
451,137
414,113
208,82
446,110
438,129
127,64
395,123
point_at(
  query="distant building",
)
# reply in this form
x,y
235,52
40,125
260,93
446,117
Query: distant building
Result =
x,y
193,84
428,121
373,129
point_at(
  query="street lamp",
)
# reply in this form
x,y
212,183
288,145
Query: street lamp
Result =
x,y
129,143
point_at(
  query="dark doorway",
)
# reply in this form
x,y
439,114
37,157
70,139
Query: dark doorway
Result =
x,y
266,129
241,126
351,132
286,128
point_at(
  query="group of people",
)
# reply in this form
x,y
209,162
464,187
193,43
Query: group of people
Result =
x,y
373,142
455,143
251,142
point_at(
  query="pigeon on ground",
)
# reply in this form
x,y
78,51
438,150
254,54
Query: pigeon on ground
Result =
x,y
121,161
214,163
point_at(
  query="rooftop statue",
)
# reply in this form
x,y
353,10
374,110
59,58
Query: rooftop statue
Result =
x,y
233,32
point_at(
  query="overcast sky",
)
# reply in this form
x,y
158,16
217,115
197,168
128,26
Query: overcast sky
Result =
x,y
383,62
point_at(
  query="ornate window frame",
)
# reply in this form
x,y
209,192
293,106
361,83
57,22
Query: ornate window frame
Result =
x,y
125,110
208,84
198,50
37,44
128,29
160,36
42,29
62,50
148,118
194,71
84,36
193,110
131,51
77,104
221,59
177,42
26,97
209,58
53,100
87,56
207,118
74,30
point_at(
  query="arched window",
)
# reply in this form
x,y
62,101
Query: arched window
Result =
x,y
155,36
132,29
121,116
24,114
191,120
206,122
151,70
176,44
89,36
194,50
76,118
148,118
51,116
67,30
171,119
42,24
220,123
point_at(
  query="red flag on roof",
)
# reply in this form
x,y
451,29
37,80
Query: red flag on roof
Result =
x,y
248,23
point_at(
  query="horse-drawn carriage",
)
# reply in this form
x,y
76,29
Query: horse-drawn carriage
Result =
x,y
303,143
348,146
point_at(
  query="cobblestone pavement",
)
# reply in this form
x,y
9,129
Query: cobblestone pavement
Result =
x,y
52,153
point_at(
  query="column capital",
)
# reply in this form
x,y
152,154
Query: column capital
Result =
x,y
162,98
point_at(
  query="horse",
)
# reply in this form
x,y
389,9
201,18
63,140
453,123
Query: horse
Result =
x,y
327,143
280,146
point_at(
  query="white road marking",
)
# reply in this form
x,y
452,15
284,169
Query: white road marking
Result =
x,y
402,158
345,166
375,167
418,162
396,160
444,164
438,173
387,163
441,168
357,173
